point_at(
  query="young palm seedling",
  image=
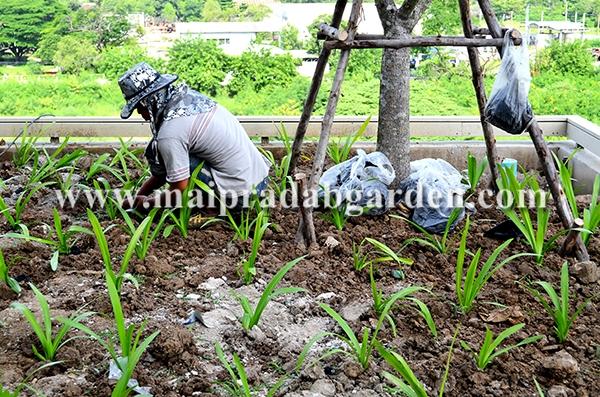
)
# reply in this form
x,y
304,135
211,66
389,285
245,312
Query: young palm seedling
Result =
x,y
519,214
49,343
439,245
489,350
565,173
558,307
280,168
100,166
14,218
248,266
181,216
405,294
339,151
237,385
381,253
475,170
42,171
131,349
591,215
362,350
25,150
251,316
116,278
470,285
149,234
9,281
63,240
106,201
409,385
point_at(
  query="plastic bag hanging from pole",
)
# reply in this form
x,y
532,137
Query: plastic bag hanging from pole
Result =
x,y
508,107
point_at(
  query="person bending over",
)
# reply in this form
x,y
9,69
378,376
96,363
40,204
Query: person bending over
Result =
x,y
189,128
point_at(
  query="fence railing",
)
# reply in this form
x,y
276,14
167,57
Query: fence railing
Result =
x,y
266,127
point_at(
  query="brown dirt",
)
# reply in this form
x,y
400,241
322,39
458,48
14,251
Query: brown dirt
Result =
x,y
182,362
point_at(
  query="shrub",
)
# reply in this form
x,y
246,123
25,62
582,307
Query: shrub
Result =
x,y
565,58
200,63
258,70
114,61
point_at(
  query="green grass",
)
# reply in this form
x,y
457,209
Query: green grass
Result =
x,y
4,276
26,94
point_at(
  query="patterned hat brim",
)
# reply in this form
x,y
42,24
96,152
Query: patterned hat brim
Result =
x,y
163,81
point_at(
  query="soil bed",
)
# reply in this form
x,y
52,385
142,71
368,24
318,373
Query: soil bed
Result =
x,y
200,273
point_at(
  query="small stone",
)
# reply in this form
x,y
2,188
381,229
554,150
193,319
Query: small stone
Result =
x,y
355,310
326,297
560,391
331,242
352,369
323,386
211,284
257,334
313,372
586,272
562,363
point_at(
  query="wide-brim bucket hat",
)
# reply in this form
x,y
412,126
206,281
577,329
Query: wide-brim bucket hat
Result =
x,y
139,82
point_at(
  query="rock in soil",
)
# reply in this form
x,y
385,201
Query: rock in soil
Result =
x,y
355,310
586,272
352,369
561,363
560,391
324,387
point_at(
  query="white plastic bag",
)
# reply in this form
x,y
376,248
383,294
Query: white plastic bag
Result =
x,y
432,190
360,181
508,107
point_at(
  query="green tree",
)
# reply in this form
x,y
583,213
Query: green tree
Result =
x,y
168,13
75,53
105,27
190,10
211,11
290,39
200,63
22,24
442,18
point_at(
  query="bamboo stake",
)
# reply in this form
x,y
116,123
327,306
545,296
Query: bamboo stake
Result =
x,y
570,243
315,85
418,41
543,152
301,236
319,159
478,85
331,32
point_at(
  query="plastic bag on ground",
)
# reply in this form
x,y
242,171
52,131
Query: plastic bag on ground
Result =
x,y
508,107
361,182
432,190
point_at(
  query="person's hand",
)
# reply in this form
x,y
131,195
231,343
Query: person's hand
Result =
x,y
138,202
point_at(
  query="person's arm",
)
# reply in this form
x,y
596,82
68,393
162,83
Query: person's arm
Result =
x,y
168,196
153,183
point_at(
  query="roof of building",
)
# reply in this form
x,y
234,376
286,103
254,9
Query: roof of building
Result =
x,y
561,26
227,27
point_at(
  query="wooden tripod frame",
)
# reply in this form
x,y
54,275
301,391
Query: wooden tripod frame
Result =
x,y
348,40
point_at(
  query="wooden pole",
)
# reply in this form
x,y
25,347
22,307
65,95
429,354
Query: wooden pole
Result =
x,y
315,85
570,243
319,159
541,147
331,32
478,85
301,236
418,41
